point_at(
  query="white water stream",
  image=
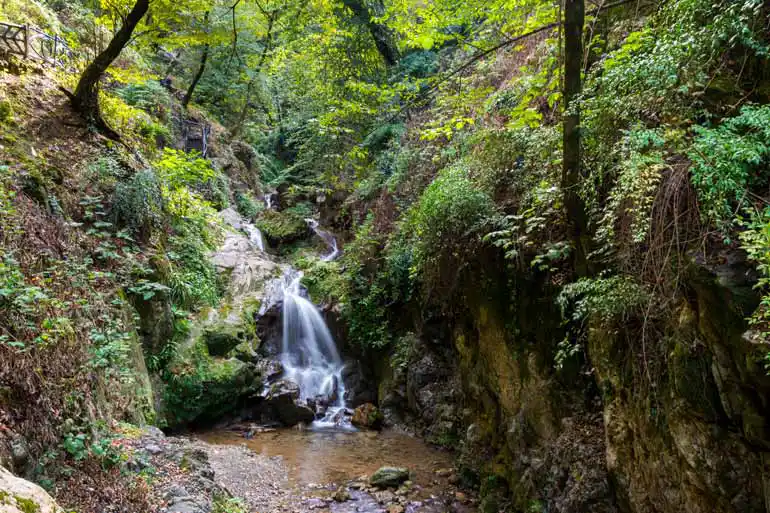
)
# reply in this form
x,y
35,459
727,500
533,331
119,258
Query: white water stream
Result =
x,y
255,236
327,237
310,357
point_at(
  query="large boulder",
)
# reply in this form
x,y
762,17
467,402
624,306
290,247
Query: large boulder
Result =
x,y
20,496
389,477
367,416
282,401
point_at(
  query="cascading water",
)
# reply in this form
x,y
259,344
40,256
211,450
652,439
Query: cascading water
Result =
x,y
310,357
255,236
327,237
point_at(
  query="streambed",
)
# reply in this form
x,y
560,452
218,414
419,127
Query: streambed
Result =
x,y
301,470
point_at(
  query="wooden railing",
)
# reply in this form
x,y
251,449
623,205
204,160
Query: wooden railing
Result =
x,y
30,43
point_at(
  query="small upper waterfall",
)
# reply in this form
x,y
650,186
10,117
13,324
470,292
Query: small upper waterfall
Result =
x,y
309,355
327,237
255,236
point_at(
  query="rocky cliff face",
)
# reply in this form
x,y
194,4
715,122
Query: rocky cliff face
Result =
x,y
677,425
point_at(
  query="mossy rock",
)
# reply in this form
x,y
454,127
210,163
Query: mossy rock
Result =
x,y
223,337
209,391
245,351
282,227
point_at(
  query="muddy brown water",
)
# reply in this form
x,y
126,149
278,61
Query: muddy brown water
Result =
x,y
332,457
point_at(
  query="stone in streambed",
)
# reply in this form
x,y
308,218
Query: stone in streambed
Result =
x,y
282,400
389,477
367,416
341,495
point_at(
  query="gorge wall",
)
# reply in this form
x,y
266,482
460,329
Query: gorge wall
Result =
x,y
669,420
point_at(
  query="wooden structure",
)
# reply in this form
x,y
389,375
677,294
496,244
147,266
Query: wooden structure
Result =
x,y
31,43
196,136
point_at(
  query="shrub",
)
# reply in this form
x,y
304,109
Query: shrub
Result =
x,y
447,220
148,96
139,204
729,159
247,206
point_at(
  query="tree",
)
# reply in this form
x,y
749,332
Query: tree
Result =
x,y
201,68
86,97
574,14
382,35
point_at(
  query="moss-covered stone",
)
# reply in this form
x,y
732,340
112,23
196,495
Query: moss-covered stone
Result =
x,y
208,390
282,227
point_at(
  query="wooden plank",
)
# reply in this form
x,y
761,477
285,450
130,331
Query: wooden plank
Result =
x,y
11,25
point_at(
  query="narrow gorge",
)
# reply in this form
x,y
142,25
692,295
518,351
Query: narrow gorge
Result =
x,y
380,256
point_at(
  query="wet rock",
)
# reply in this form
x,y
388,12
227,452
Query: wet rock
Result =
x,y
384,497
367,416
389,477
341,495
359,388
282,399
269,369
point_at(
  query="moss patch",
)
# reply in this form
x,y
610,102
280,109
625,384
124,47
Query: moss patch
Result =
x,y
282,227
26,505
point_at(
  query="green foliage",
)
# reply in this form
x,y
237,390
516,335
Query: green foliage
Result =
x,y
79,446
247,206
632,196
224,504
139,204
149,96
447,220
755,240
528,235
603,300
180,169
728,160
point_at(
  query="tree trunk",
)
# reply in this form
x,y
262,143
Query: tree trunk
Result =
x,y
86,97
236,131
574,14
382,35
201,68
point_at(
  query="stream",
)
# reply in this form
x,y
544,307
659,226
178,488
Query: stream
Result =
x,y
324,463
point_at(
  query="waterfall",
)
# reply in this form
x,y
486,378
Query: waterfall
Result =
x,y
268,200
309,355
255,236
327,237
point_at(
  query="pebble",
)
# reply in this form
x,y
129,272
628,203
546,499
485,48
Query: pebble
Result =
x,y
461,497
395,508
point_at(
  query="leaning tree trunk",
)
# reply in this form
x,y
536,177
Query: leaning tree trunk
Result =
x,y
574,14
201,67
382,35
86,96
